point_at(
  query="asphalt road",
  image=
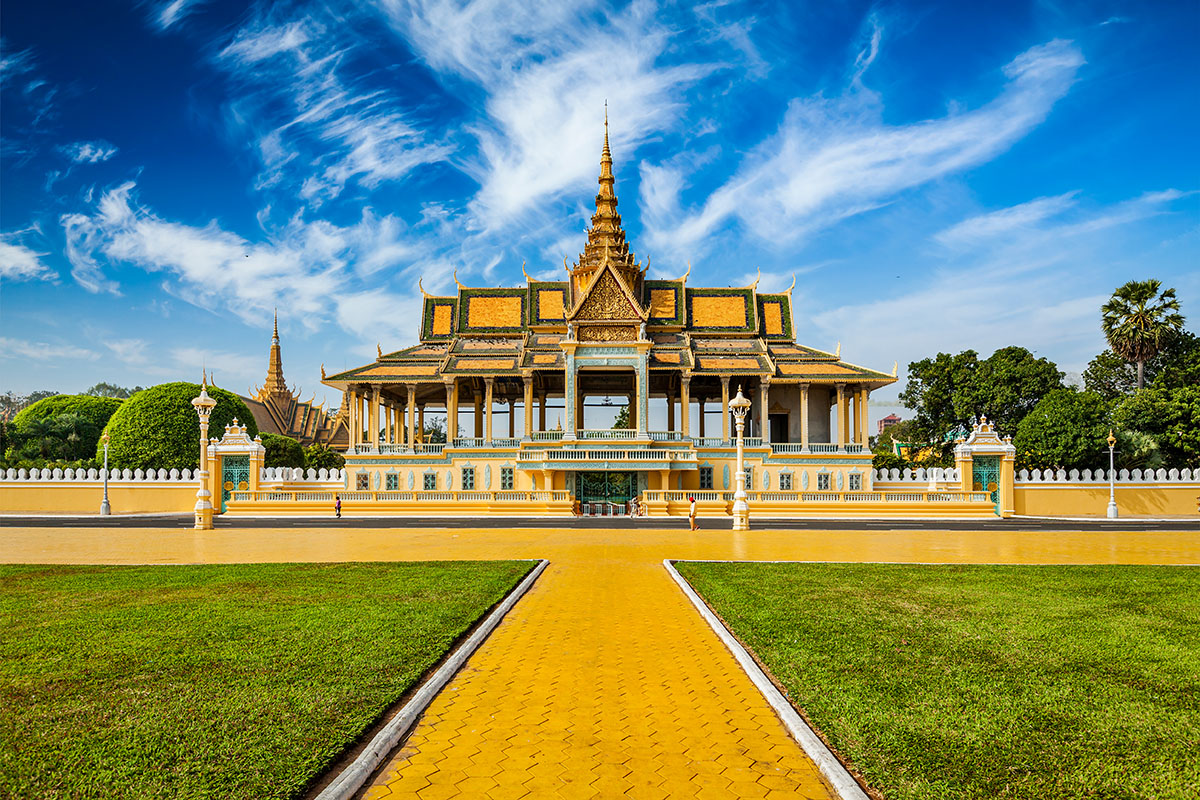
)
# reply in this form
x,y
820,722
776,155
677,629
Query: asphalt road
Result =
x,y
622,523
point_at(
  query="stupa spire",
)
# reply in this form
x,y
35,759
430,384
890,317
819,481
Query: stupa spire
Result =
x,y
605,236
275,383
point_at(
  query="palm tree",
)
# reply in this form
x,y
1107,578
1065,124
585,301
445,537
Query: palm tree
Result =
x,y
1138,321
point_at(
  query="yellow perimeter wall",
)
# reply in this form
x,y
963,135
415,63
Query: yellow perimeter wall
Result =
x,y
1091,499
37,497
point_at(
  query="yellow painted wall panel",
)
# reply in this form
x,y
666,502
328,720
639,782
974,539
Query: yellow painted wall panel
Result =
x,y
68,498
1091,500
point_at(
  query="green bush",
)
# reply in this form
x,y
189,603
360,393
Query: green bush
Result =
x,y
322,456
1169,415
282,451
63,426
158,428
96,410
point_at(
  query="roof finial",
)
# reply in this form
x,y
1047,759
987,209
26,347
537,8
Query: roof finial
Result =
x,y
526,274
379,349
793,286
754,286
456,283
838,354
275,335
422,288
689,271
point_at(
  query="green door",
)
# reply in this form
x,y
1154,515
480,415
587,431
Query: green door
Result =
x,y
605,487
985,477
235,474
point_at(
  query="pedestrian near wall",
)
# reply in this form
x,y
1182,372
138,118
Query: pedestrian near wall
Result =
x,y
692,512
337,506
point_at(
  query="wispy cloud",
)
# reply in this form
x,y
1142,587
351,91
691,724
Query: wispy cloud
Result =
x,y
835,158
41,351
89,152
1006,221
547,69
165,15
313,125
21,263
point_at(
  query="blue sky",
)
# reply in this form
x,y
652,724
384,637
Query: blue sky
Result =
x,y
937,176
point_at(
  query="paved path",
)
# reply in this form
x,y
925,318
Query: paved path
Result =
x,y
602,680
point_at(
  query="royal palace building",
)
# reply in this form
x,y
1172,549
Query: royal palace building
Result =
x,y
512,358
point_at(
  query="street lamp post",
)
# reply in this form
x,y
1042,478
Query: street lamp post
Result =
x,y
204,510
105,508
1112,495
741,509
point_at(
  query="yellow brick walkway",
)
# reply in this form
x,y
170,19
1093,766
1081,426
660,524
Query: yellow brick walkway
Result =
x,y
603,681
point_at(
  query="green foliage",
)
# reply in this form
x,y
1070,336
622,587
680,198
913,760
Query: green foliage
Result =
x,y
1136,450
622,420
103,389
1170,416
435,431
1176,364
1137,321
974,682
1067,429
948,392
96,410
902,432
158,428
886,459
11,403
282,451
322,456
227,681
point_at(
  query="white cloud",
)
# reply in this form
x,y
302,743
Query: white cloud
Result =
x,y
168,13
128,351
41,351
89,152
230,370
547,68
835,158
313,126
20,263
315,270
1006,221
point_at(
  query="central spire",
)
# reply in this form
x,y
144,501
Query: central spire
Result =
x,y
605,238
275,383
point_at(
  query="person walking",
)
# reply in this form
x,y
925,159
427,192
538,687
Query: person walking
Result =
x,y
692,512
337,506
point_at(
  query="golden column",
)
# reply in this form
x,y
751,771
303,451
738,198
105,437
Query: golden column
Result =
x,y
725,409
866,416
420,423
841,416
375,399
685,401
451,412
487,435
528,402
478,410
412,415
804,417
764,423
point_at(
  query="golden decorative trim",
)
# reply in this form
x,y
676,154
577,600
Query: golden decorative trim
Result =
x,y
607,333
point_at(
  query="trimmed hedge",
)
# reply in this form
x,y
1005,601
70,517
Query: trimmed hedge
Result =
x,y
158,428
282,451
96,410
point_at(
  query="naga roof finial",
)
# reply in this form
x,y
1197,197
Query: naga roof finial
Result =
x,y
757,278
379,349
456,283
526,274
838,354
689,271
793,286
322,372
422,288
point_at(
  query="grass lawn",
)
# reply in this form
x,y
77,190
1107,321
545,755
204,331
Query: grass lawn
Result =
x,y
241,681
983,681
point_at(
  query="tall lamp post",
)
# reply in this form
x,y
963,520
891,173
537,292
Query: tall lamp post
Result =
x,y
1112,495
741,509
105,508
204,510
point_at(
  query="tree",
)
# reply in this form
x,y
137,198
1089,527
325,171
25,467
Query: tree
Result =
x,y
434,431
1067,428
902,432
1169,415
1176,364
282,451
103,389
1137,321
322,456
76,421
158,428
622,420
948,392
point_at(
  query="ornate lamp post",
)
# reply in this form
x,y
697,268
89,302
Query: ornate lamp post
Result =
x,y
105,509
204,510
741,509
1112,496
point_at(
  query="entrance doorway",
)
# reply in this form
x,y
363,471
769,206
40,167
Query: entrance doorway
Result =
x,y
615,488
779,427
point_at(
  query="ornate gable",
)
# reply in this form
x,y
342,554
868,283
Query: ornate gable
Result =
x,y
607,300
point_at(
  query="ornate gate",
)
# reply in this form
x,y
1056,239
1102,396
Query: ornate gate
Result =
x,y
235,474
605,487
985,477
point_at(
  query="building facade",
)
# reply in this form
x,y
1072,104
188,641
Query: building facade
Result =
x,y
551,348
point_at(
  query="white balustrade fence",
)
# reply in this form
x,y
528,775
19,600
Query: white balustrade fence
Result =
x,y
298,475
59,475
1184,475
920,475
